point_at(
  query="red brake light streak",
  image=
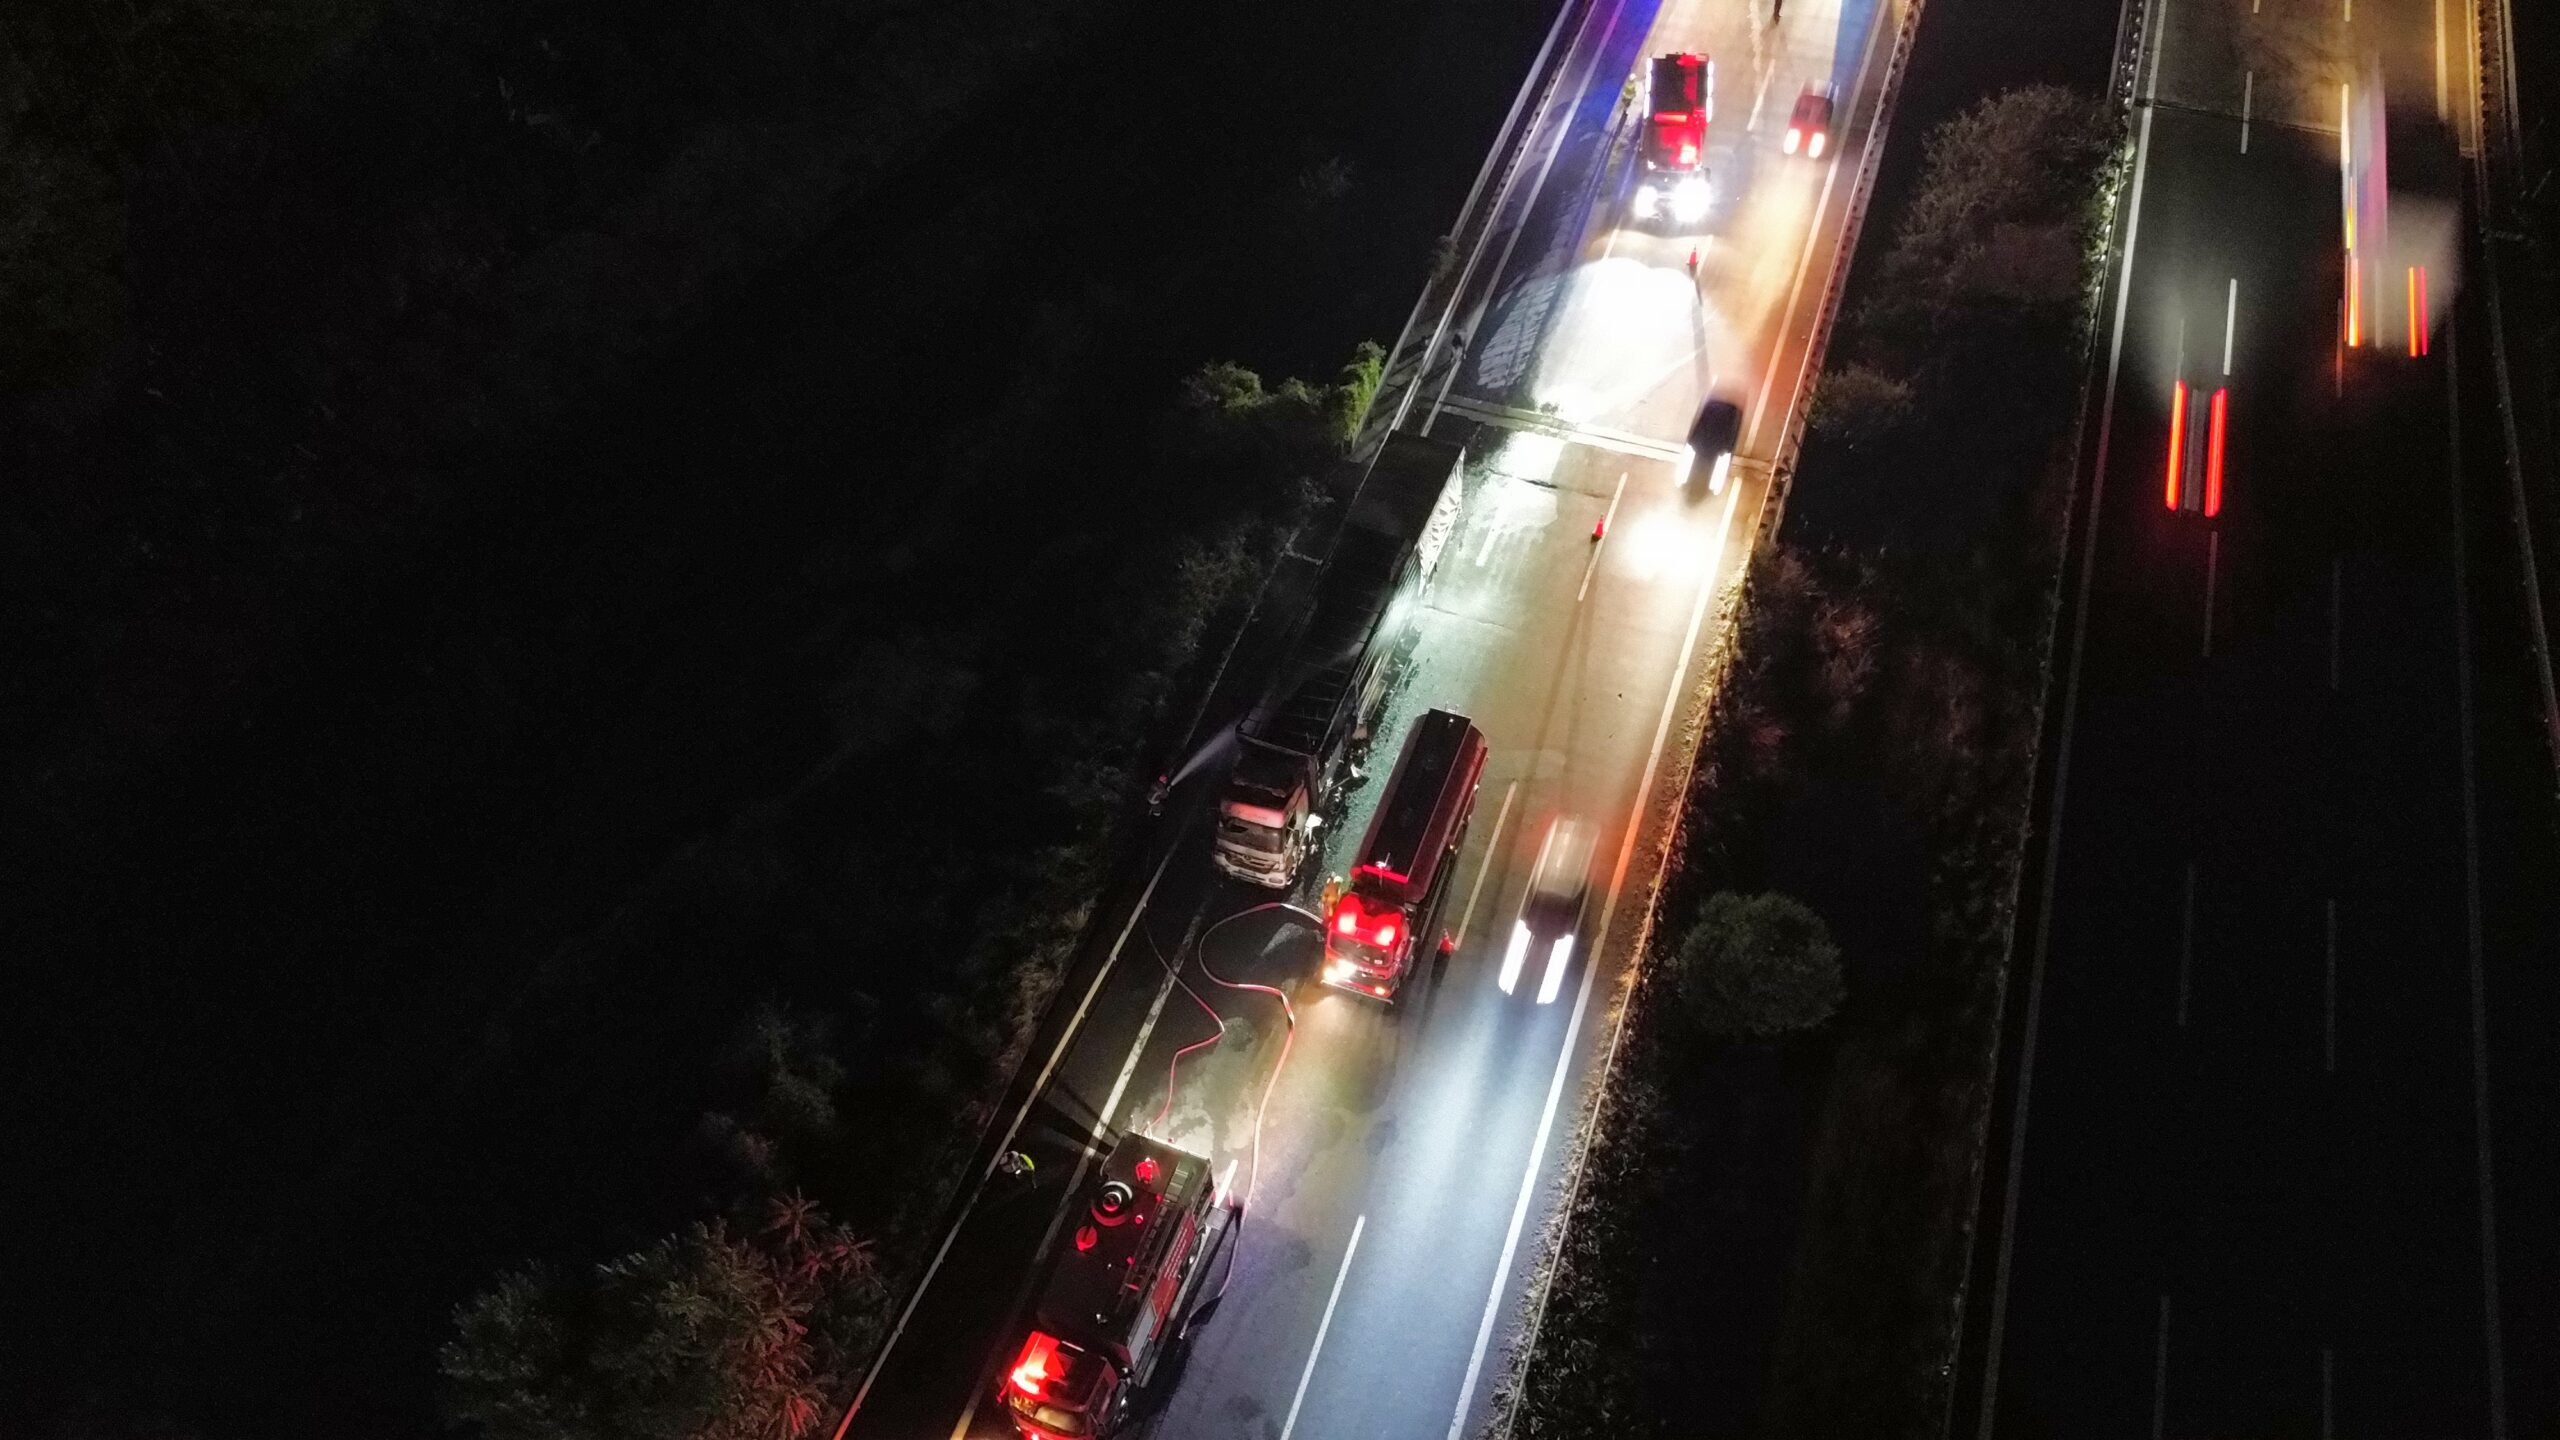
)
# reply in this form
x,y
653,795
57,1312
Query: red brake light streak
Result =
x,y
2213,452
2177,441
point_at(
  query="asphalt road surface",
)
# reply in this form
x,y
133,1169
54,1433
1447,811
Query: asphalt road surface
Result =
x,y
2248,1173
1398,1166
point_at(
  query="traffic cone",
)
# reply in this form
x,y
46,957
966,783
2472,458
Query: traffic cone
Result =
x,y
1693,259
1598,528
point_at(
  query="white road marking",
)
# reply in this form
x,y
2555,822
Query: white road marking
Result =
x,y
1752,125
1600,541
1084,1160
1492,847
2248,93
2329,990
2230,322
2186,943
2160,1375
1582,996
1012,1129
1988,1408
1357,1225
2212,569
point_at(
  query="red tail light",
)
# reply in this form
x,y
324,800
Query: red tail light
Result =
x,y
2213,452
1037,1364
2177,440
2417,310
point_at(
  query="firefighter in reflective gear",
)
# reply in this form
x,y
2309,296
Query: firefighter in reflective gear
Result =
x,y
1332,895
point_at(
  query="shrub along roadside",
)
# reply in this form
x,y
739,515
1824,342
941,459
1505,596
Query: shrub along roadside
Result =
x,y
1768,1238
914,1068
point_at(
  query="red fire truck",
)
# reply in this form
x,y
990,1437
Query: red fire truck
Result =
x,y
1673,156
1402,875
1121,1289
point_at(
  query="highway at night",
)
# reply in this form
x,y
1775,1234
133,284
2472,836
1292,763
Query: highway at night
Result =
x,y
1399,1167
2266,1161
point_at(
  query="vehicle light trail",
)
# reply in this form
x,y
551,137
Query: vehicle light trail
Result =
x,y
2177,443
2213,452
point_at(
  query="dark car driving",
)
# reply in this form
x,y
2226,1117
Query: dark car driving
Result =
x,y
1711,442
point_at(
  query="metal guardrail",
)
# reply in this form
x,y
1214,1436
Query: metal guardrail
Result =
x,y
1826,315
1409,369
2498,162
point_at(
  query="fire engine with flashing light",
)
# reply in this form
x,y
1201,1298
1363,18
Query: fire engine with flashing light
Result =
x,y
1672,154
1123,1289
1297,746
1401,879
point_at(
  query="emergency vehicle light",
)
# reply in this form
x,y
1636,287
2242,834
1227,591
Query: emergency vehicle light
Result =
x,y
1031,1371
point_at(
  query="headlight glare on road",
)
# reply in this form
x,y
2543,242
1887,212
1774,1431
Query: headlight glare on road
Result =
x,y
1813,147
1648,201
1716,477
1689,200
1795,137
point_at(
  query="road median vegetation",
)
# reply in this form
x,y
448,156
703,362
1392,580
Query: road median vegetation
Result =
x,y
1769,1232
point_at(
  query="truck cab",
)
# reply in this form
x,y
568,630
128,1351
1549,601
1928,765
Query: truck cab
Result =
x,y
1680,100
1121,1289
1401,878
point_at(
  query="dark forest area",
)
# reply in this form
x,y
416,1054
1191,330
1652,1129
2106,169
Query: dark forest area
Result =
x,y
585,583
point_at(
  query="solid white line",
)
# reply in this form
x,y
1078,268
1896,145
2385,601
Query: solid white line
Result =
x,y
1492,846
1601,542
2230,322
2160,1375
1599,940
1752,125
1039,1087
1309,1373
2186,943
1084,1159
2329,990
1520,1207
2495,1336
2248,93
2053,830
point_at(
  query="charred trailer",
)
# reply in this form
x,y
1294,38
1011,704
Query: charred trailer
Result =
x,y
1294,750
1120,1291
1387,916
